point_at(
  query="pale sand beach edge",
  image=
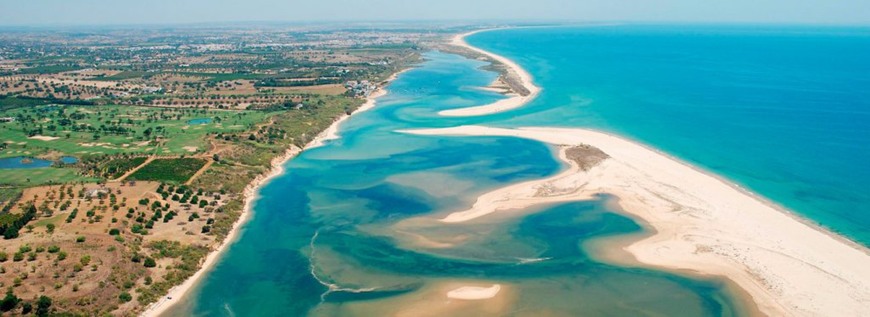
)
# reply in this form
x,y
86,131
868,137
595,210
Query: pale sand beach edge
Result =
x,y
512,102
702,224
768,269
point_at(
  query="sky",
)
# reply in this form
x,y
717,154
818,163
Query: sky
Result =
x,y
119,12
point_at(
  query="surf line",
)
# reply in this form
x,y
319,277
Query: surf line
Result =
x,y
331,287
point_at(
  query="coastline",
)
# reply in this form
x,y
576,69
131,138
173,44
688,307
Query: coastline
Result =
x,y
331,133
515,99
251,194
702,224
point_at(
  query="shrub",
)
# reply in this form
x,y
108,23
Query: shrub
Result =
x,y
149,262
125,297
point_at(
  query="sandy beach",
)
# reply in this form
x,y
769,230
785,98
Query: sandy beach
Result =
x,y
513,101
177,293
701,223
331,133
698,221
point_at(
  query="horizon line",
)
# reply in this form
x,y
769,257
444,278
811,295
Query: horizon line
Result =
x,y
466,22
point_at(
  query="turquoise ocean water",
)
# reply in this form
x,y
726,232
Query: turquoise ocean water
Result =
x,y
780,110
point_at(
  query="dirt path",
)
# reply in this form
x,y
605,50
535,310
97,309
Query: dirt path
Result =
x,y
208,163
130,172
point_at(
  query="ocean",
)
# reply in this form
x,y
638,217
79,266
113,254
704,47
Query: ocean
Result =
x,y
778,110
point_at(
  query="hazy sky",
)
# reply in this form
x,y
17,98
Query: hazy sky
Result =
x,y
95,12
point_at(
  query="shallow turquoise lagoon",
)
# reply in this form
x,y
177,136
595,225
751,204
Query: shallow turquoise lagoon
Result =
x,y
764,107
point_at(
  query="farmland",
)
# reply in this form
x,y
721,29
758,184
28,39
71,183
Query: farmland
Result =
x,y
176,170
147,141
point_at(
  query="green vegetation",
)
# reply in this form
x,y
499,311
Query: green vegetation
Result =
x,y
11,224
190,256
7,102
8,197
124,75
107,130
117,167
169,170
42,176
99,116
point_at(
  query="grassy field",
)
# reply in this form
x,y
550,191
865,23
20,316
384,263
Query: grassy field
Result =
x,y
95,130
8,194
41,176
169,170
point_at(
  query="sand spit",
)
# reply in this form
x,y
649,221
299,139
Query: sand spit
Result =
x,y
701,223
514,100
474,292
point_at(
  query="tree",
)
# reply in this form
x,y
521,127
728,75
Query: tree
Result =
x,y
11,233
9,302
43,304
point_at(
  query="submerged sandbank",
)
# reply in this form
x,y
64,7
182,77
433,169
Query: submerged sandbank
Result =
x,y
702,223
474,292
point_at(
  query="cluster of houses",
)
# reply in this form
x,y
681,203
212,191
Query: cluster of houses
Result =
x,y
361,88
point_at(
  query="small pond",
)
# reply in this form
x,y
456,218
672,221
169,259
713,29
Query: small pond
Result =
x,y
30,162
199,121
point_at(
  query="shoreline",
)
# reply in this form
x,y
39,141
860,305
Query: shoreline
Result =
x,y
515,99
701,224
776,276
251,194
331,133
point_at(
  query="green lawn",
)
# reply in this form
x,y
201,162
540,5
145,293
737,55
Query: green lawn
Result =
x,y
40,176
94,130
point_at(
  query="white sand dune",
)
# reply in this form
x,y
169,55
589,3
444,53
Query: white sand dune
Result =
x,y
702,224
